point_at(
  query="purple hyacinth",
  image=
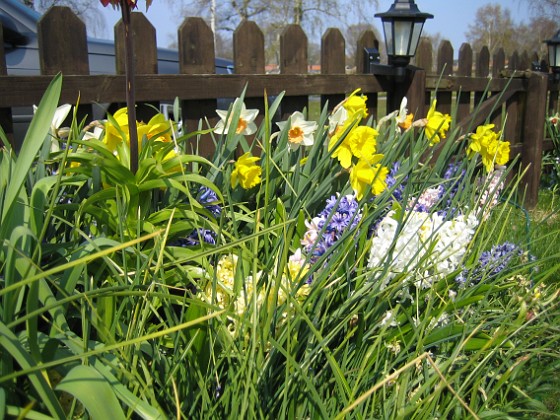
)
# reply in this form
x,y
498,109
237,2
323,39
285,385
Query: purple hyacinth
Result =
x,y
391,180
450,187
491,263
338,216
208,198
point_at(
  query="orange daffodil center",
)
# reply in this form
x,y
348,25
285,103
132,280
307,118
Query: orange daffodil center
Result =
x,y
245,122
300,131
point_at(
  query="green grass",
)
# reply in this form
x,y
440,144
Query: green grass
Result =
x,y
536,230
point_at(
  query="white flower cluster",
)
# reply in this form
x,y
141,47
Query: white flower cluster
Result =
x,y
424,247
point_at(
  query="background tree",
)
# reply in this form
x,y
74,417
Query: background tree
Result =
x,y
494,28
87,10
530,37
315,16
549,9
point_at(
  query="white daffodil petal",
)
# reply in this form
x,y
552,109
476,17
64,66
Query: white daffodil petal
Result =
x,y
60,115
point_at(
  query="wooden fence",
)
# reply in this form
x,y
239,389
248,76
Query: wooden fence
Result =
x,y
491,87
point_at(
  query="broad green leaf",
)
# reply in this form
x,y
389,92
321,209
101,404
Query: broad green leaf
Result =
x,y
34,139
96,394
12,347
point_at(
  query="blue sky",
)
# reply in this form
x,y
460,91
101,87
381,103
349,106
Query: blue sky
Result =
x,y
451,17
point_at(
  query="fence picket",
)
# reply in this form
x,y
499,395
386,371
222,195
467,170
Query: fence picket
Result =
x,y
63,48
293,60
464,69
445,66
144,55
367,39
333,47
424,60
197,56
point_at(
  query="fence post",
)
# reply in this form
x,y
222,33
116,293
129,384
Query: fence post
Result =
x,y
5,113
333,48
533,135
63,48
424,59
145,57
293,60
197,56
367,40
482,70
248,58
445,66
464,69
416,91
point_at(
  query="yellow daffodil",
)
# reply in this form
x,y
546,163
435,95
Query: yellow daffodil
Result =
x,y
245,124
246,173
114,128
356,105
437,124
485,141
368,174
360,142
158,129
301,132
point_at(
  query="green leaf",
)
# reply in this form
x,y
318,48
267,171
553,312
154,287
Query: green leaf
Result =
x,y
11,346
34,139
94,392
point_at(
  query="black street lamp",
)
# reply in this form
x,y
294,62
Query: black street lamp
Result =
x,y
402,27
553,45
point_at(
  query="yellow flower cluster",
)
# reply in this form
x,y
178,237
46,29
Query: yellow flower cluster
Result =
x,y
239,301
157,129
359,142
487,143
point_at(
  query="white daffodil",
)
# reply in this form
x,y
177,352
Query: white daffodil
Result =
x,y
60,115
300,132
404,119
401,117
245,124
337,119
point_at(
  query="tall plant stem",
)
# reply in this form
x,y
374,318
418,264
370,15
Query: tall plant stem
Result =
x,y
129,76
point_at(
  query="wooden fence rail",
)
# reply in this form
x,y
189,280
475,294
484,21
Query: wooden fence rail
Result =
x,y
479,87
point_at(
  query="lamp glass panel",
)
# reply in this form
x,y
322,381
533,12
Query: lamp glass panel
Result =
x,y
416,32
555,57
403,30
388,29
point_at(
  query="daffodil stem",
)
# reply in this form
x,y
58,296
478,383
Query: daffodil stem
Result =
x,y
129,77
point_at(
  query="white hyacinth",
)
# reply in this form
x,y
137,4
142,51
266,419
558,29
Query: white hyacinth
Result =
x,y
425,248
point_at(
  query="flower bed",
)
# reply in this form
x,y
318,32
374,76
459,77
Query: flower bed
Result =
x,y
341,267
